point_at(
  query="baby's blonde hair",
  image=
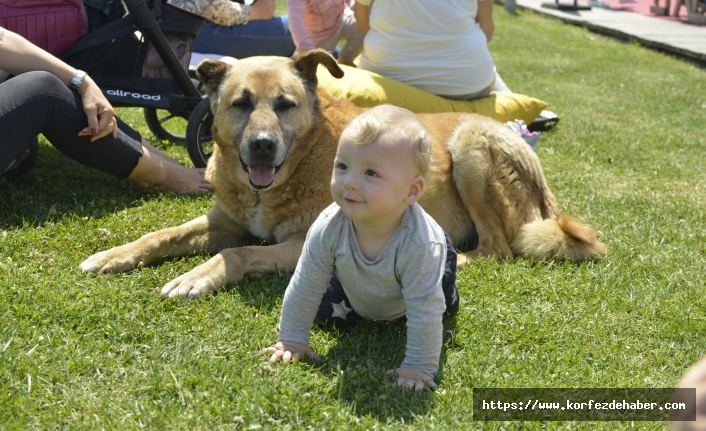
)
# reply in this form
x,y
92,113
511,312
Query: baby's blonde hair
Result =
x,y
375,123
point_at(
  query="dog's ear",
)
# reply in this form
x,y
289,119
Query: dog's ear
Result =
x,y
211,73
306,63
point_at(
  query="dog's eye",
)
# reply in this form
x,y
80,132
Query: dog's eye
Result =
x,y
285,106
242,103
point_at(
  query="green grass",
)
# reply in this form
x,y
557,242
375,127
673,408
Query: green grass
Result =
x,y
80,351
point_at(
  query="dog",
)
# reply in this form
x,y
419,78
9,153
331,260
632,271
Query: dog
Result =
x,y
275,136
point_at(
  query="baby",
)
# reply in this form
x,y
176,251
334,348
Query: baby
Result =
x,y
374,252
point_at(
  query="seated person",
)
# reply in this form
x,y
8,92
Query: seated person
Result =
x,y
439,47
374,252
240,30
322,24
52,98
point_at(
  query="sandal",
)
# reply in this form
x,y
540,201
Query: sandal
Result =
x,y
545,121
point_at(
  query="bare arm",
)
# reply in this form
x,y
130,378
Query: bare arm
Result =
x,y
18,55
484,17
361,12
297,9
262,10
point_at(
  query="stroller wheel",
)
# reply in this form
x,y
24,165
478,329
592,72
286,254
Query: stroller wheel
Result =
x,y
165,125
199,142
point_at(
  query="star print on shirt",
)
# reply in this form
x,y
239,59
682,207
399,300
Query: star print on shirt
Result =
x,y
340,310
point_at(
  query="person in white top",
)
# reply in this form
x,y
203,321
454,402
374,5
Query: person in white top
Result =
x,y
437,46
375,253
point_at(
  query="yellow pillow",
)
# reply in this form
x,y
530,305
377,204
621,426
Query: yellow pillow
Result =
x,y
368,89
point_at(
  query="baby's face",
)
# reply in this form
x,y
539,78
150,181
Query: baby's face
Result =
x,y
370,183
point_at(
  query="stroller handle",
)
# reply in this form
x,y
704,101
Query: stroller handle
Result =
x,y
148,24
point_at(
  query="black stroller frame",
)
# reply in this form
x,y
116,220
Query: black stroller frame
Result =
x,y
179,96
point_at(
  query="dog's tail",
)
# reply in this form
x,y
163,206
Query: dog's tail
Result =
x,y
564,237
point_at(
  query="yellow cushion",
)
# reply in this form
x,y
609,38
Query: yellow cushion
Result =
x,y
368,89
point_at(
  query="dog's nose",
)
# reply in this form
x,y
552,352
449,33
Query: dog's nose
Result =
x,y
262,148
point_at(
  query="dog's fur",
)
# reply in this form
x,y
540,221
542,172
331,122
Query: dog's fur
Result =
x,y
486,183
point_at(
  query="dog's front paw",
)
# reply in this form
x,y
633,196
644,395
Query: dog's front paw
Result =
x,y
201,280
461,260
113,260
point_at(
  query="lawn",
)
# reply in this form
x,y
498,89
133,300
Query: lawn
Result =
x,y
81,351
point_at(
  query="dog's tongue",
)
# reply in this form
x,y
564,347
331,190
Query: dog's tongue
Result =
x,y
261,174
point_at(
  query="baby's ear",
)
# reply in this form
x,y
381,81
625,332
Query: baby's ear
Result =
x,y
415,190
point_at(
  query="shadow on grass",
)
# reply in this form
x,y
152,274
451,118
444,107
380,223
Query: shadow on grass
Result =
x,y
260,292
264,293
360,360
58,188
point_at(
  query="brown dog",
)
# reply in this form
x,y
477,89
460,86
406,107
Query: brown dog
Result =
x,y
276,136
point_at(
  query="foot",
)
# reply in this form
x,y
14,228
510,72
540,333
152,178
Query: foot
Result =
x,y
156,170
187,180
156,153
545,121
179,179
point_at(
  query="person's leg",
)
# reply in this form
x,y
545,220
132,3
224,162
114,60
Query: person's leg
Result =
x,y
16,139
348,31
157,170
38,102
335,309
271,37
330,43
448,282
354,41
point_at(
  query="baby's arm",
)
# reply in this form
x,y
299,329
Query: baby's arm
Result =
x,y
301,301
297,26
362,19
303,295
421,274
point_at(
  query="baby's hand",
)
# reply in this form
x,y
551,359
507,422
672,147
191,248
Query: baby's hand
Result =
x,y
412,378
288,351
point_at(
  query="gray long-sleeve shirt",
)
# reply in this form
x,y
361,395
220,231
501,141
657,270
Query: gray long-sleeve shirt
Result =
x,y
404,279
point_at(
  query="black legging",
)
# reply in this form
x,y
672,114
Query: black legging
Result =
x,y
38,102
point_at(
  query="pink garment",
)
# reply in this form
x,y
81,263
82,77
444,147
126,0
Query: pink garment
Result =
x,y
314,21
53,25
154,66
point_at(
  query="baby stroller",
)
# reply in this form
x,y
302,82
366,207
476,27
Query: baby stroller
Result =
x,y
134,62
